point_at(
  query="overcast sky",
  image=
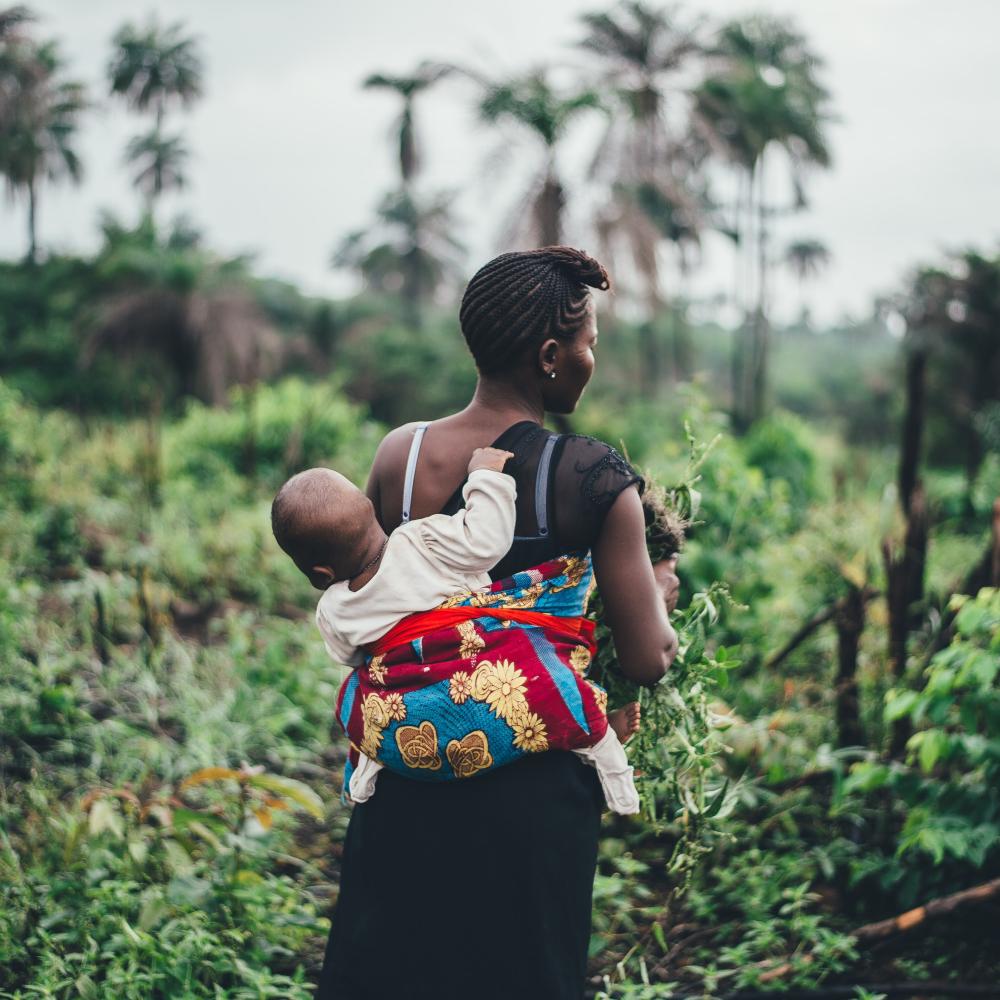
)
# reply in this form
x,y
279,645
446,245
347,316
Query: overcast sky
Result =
x,y
289,154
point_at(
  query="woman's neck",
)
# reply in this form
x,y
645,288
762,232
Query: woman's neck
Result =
x,y
504,400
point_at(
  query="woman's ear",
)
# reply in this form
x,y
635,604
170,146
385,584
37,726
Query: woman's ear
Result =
x,y
548,356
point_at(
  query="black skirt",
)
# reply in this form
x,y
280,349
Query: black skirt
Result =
x,y
468,890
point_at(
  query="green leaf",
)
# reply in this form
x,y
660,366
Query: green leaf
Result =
x,y
295,791
138,851
104,817
661,938
932,745
899,703
183,818
716,804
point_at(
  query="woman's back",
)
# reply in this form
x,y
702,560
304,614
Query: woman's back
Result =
x,y
565,485
438,862
481,888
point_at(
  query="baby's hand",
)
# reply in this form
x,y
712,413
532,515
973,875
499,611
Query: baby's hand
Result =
x,y
489,458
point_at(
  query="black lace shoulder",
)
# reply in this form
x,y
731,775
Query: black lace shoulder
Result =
x,y
601,470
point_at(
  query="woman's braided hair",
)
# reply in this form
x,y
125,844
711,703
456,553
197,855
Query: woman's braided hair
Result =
x,y
519,299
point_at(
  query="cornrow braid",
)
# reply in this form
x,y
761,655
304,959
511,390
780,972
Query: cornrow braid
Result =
x,y
519,299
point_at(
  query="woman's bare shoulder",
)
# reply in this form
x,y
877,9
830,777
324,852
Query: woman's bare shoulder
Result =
x,y
393,448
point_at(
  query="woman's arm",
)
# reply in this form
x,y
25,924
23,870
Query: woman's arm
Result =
x,y
635,601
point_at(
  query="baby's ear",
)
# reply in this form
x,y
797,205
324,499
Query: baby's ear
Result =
x,y
320,576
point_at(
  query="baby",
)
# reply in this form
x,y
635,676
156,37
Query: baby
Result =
x,y
372,581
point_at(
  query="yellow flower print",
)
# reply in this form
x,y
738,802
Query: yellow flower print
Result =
x,y
418,746
376,671
374,712
395,707
501,685
470,754
455,600
375,716
573,571
529,733
472,641
460,687
501,599
600,696
579,659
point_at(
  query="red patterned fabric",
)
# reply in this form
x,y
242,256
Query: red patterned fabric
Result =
x,y
482,683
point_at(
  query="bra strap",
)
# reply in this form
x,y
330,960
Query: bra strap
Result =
x,y
411,470
542,485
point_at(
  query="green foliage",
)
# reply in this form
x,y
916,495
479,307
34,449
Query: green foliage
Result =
x,y
676,748
389,368
950,788
270,432
779,447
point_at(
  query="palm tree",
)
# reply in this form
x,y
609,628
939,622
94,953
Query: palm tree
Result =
x,y
646,154
952,315
179,313
532,104
11,18
806,258
160,162
40,118
411,251
154,67
763,93
408,87
11,21
11,59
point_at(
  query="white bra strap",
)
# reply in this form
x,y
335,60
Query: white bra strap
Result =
x,y
411,470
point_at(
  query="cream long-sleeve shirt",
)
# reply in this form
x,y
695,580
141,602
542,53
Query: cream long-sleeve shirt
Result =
x,y
425,562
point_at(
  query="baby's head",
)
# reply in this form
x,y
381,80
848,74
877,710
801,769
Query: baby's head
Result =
x,y
326,524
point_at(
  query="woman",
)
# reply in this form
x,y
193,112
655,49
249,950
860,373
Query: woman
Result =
x,y
481,889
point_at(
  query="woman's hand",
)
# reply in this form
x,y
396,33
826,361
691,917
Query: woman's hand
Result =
x,y
665,573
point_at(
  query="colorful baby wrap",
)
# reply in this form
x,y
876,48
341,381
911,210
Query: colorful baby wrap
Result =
x,y
490,677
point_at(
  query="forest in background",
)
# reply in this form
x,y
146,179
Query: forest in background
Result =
x,y
825,755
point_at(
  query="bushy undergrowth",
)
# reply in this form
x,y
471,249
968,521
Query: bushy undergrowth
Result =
x,y
169,819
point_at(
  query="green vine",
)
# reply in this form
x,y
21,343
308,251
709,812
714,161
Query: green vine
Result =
x,y
676,751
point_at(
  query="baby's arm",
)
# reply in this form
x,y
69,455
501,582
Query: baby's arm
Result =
x,y
478,537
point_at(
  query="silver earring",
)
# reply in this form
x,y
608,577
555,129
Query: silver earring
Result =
x,y
552,374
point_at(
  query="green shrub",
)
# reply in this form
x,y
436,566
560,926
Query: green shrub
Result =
x,y
782,448
269,432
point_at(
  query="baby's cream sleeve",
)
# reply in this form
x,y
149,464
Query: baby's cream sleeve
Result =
x,y
476,538
340,650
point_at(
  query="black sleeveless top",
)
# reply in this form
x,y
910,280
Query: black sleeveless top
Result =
x,y
482,888
576,485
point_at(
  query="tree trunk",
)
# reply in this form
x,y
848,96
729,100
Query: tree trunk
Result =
x,y
683,348
905,590
738,364
850,622
32,223
761,331
995,561
412,291
982,381
548,211
913,425
650,368
741,356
